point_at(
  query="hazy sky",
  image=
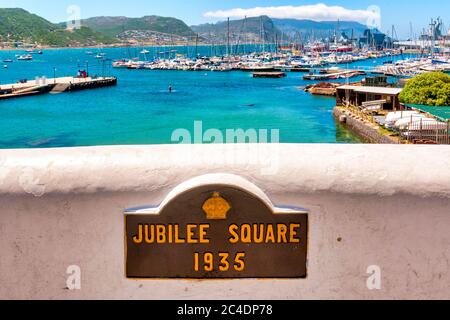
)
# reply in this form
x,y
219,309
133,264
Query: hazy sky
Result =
x,y
397,12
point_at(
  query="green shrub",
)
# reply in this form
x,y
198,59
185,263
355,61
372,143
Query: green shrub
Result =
x,y
432,89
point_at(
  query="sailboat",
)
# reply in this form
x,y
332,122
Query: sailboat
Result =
x,y
100,54
32,51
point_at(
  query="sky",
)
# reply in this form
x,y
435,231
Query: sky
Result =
x,y
383,13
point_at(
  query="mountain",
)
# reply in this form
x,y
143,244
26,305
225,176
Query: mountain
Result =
x,y
285,29
115,26
293,28
244,30
19,25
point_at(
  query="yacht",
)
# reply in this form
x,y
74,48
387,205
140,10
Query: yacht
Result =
x,y
31,51
25,57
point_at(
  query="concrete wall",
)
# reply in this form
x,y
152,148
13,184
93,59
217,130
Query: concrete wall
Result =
x,y
381,205
369,132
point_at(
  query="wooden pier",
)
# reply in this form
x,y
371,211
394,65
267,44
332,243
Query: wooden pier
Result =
x,y
269,75
53,85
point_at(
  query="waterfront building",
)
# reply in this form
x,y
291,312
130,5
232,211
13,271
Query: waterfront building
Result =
x,y
388,98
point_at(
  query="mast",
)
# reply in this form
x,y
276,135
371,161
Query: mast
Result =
x,y
392,44
300,39
239,38
196,46
352,39
228,38
276,42
261,34
336,32
244,50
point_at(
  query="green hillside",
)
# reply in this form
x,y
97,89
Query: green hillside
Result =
x,y
114,26
20,25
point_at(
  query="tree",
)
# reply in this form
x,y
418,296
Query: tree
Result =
x,y
432,89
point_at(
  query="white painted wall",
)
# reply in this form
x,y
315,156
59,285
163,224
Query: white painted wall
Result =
x,y
370,205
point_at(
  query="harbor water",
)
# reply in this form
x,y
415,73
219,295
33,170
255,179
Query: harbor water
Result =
x,y
141,110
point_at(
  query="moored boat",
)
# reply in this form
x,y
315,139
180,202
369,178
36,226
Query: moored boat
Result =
x,y
25,57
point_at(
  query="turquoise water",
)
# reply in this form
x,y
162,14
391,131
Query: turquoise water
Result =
x,y
140,110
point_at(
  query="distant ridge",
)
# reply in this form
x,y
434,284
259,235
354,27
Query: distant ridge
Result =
x,y
115,26
324,29
19,25
250,29
278,28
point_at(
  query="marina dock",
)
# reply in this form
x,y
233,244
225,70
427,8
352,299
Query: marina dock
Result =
x,y
338,75
269,75
53,85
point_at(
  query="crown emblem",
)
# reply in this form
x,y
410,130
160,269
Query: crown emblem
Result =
x,y
216,208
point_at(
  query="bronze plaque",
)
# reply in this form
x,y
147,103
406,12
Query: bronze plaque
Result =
x,y
216,233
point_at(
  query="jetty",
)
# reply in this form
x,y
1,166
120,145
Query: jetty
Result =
x,y
26,88
269,75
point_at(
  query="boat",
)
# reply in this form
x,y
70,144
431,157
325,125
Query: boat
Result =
x,y
32,51
25,57
145,52
393,117
405,122
8,61
122,63
100,55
